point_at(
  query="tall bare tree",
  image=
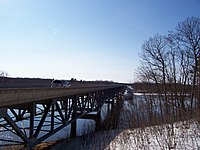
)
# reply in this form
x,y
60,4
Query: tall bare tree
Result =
x,y
154,64
188,33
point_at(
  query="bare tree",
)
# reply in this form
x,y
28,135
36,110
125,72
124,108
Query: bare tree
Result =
x,y
188,33
154,58
177,74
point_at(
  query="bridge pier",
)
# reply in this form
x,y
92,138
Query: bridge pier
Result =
x,y
73,132
74,118
98,122
114,106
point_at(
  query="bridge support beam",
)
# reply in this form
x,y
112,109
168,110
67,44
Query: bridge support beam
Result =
x,y
74,118
73,129
112,118
98,122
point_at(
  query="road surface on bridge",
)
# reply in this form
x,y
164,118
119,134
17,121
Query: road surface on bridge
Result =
x,y
16,96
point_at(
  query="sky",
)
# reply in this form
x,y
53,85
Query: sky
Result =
x,y
83,39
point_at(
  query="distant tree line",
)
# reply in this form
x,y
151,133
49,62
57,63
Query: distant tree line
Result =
x,y
3,73
173,61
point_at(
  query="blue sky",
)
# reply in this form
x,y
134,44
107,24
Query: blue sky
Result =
x,y
83,39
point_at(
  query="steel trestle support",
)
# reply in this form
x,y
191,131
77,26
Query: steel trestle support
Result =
x,y
34,122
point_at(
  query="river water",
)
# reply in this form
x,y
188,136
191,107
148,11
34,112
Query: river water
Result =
x,y
84,126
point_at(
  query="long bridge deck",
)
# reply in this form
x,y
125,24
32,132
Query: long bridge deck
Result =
x,y
57,107
15,96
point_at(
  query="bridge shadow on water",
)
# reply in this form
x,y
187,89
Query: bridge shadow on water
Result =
x,y
93,141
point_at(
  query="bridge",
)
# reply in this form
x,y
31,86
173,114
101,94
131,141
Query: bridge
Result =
x,y
35,114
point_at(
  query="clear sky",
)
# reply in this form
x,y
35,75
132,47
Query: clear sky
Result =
x,y
83,39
